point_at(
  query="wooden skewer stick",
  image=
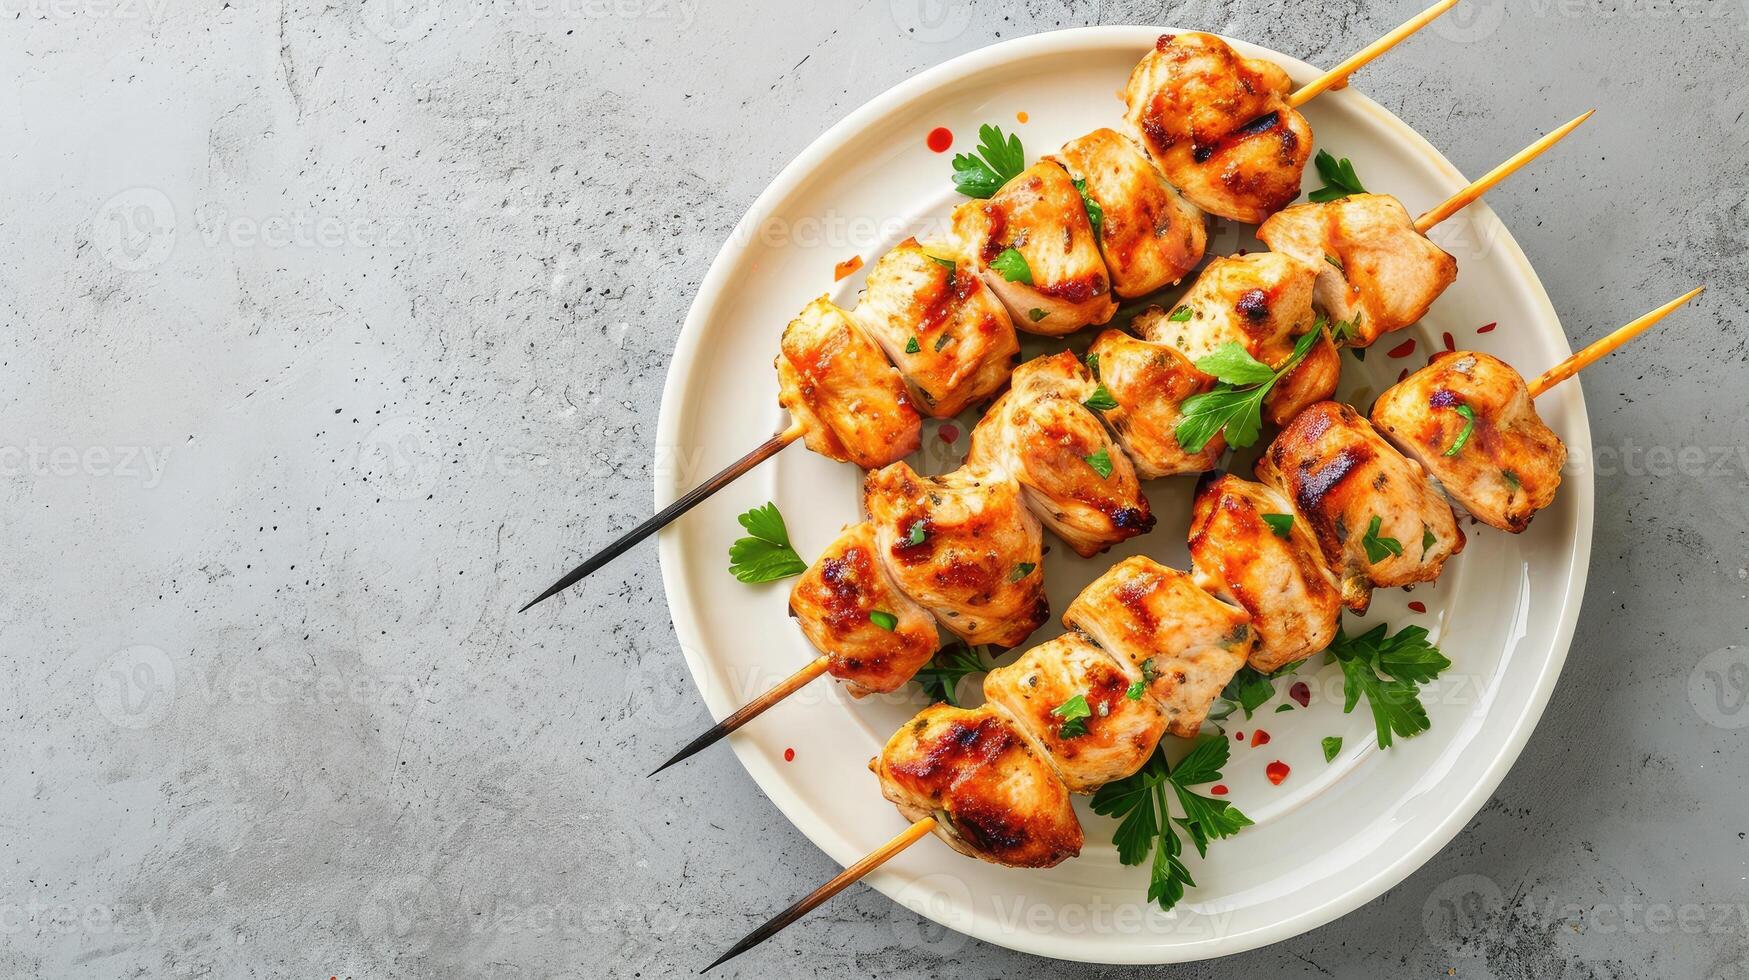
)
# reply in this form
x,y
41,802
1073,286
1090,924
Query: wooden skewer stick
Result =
x,y
1338,76
1464,198
875,859
771,447
1599,349
750,710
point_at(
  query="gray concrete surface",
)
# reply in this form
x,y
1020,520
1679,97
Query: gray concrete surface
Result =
x,y
331,329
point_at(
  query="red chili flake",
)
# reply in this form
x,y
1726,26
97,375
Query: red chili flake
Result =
x,y
1301,693
1403,374
1418,606
1450,344
1276,771
1243,251
847,267
1403,349
789,755
1218,789
1487,328
940,138
1259,737
948,433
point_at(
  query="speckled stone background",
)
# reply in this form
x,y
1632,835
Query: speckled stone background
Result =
x,y
332,328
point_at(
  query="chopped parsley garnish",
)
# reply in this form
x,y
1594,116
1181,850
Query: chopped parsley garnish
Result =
x,y
917,535
1250,688
1012,265
766,555
1236,403
996,161
1074,713
1180,315
1035,314
1021,571
1092,362
912,346
1141,802
1101,400
1095,213
952,663
1463,435
951,265
1284,706
1332,746
1137,688
942,340
1100,461
1339,179
1333,260
1281,524
1377,548
1388,671
885,620
1427,539
1511,479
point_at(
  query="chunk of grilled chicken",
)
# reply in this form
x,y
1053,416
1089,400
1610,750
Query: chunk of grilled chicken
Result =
x,y
833,379
1149,382
1109,744
832,601
1219,126
1041,433
1510,465
1182,642
1378,518
1274,571
1149,236
1376,273
963,546
994,796
1040,215
1262,302
943,329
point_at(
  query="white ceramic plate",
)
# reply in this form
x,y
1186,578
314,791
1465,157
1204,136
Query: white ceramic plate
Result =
x,y
1328,838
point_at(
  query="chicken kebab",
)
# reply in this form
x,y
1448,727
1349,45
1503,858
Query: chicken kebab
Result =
x,y
1150,648
1047,248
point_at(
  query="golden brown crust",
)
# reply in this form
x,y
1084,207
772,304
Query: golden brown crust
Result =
x,y
833,602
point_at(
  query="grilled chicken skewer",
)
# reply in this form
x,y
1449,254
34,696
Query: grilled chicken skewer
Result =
x,y
1151,238
994,781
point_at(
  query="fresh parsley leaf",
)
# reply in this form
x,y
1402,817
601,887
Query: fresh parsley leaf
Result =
x,y
1101,463
1333,260
1339,179
996,161
1237,411
1332,747
885,620
1231,363
1035,314
1427,539
940,677
951,265
1101,400
1092,362
766,555
1281,524
1146,821
1012,265
1180,315
1095,213
1463,435
917,533
1377,548
1021,571
912,346
1388,671
1074,713
1511,479
1249,689
1284,706
1134,691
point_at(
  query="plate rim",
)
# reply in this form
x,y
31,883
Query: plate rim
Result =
x,y
665,489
